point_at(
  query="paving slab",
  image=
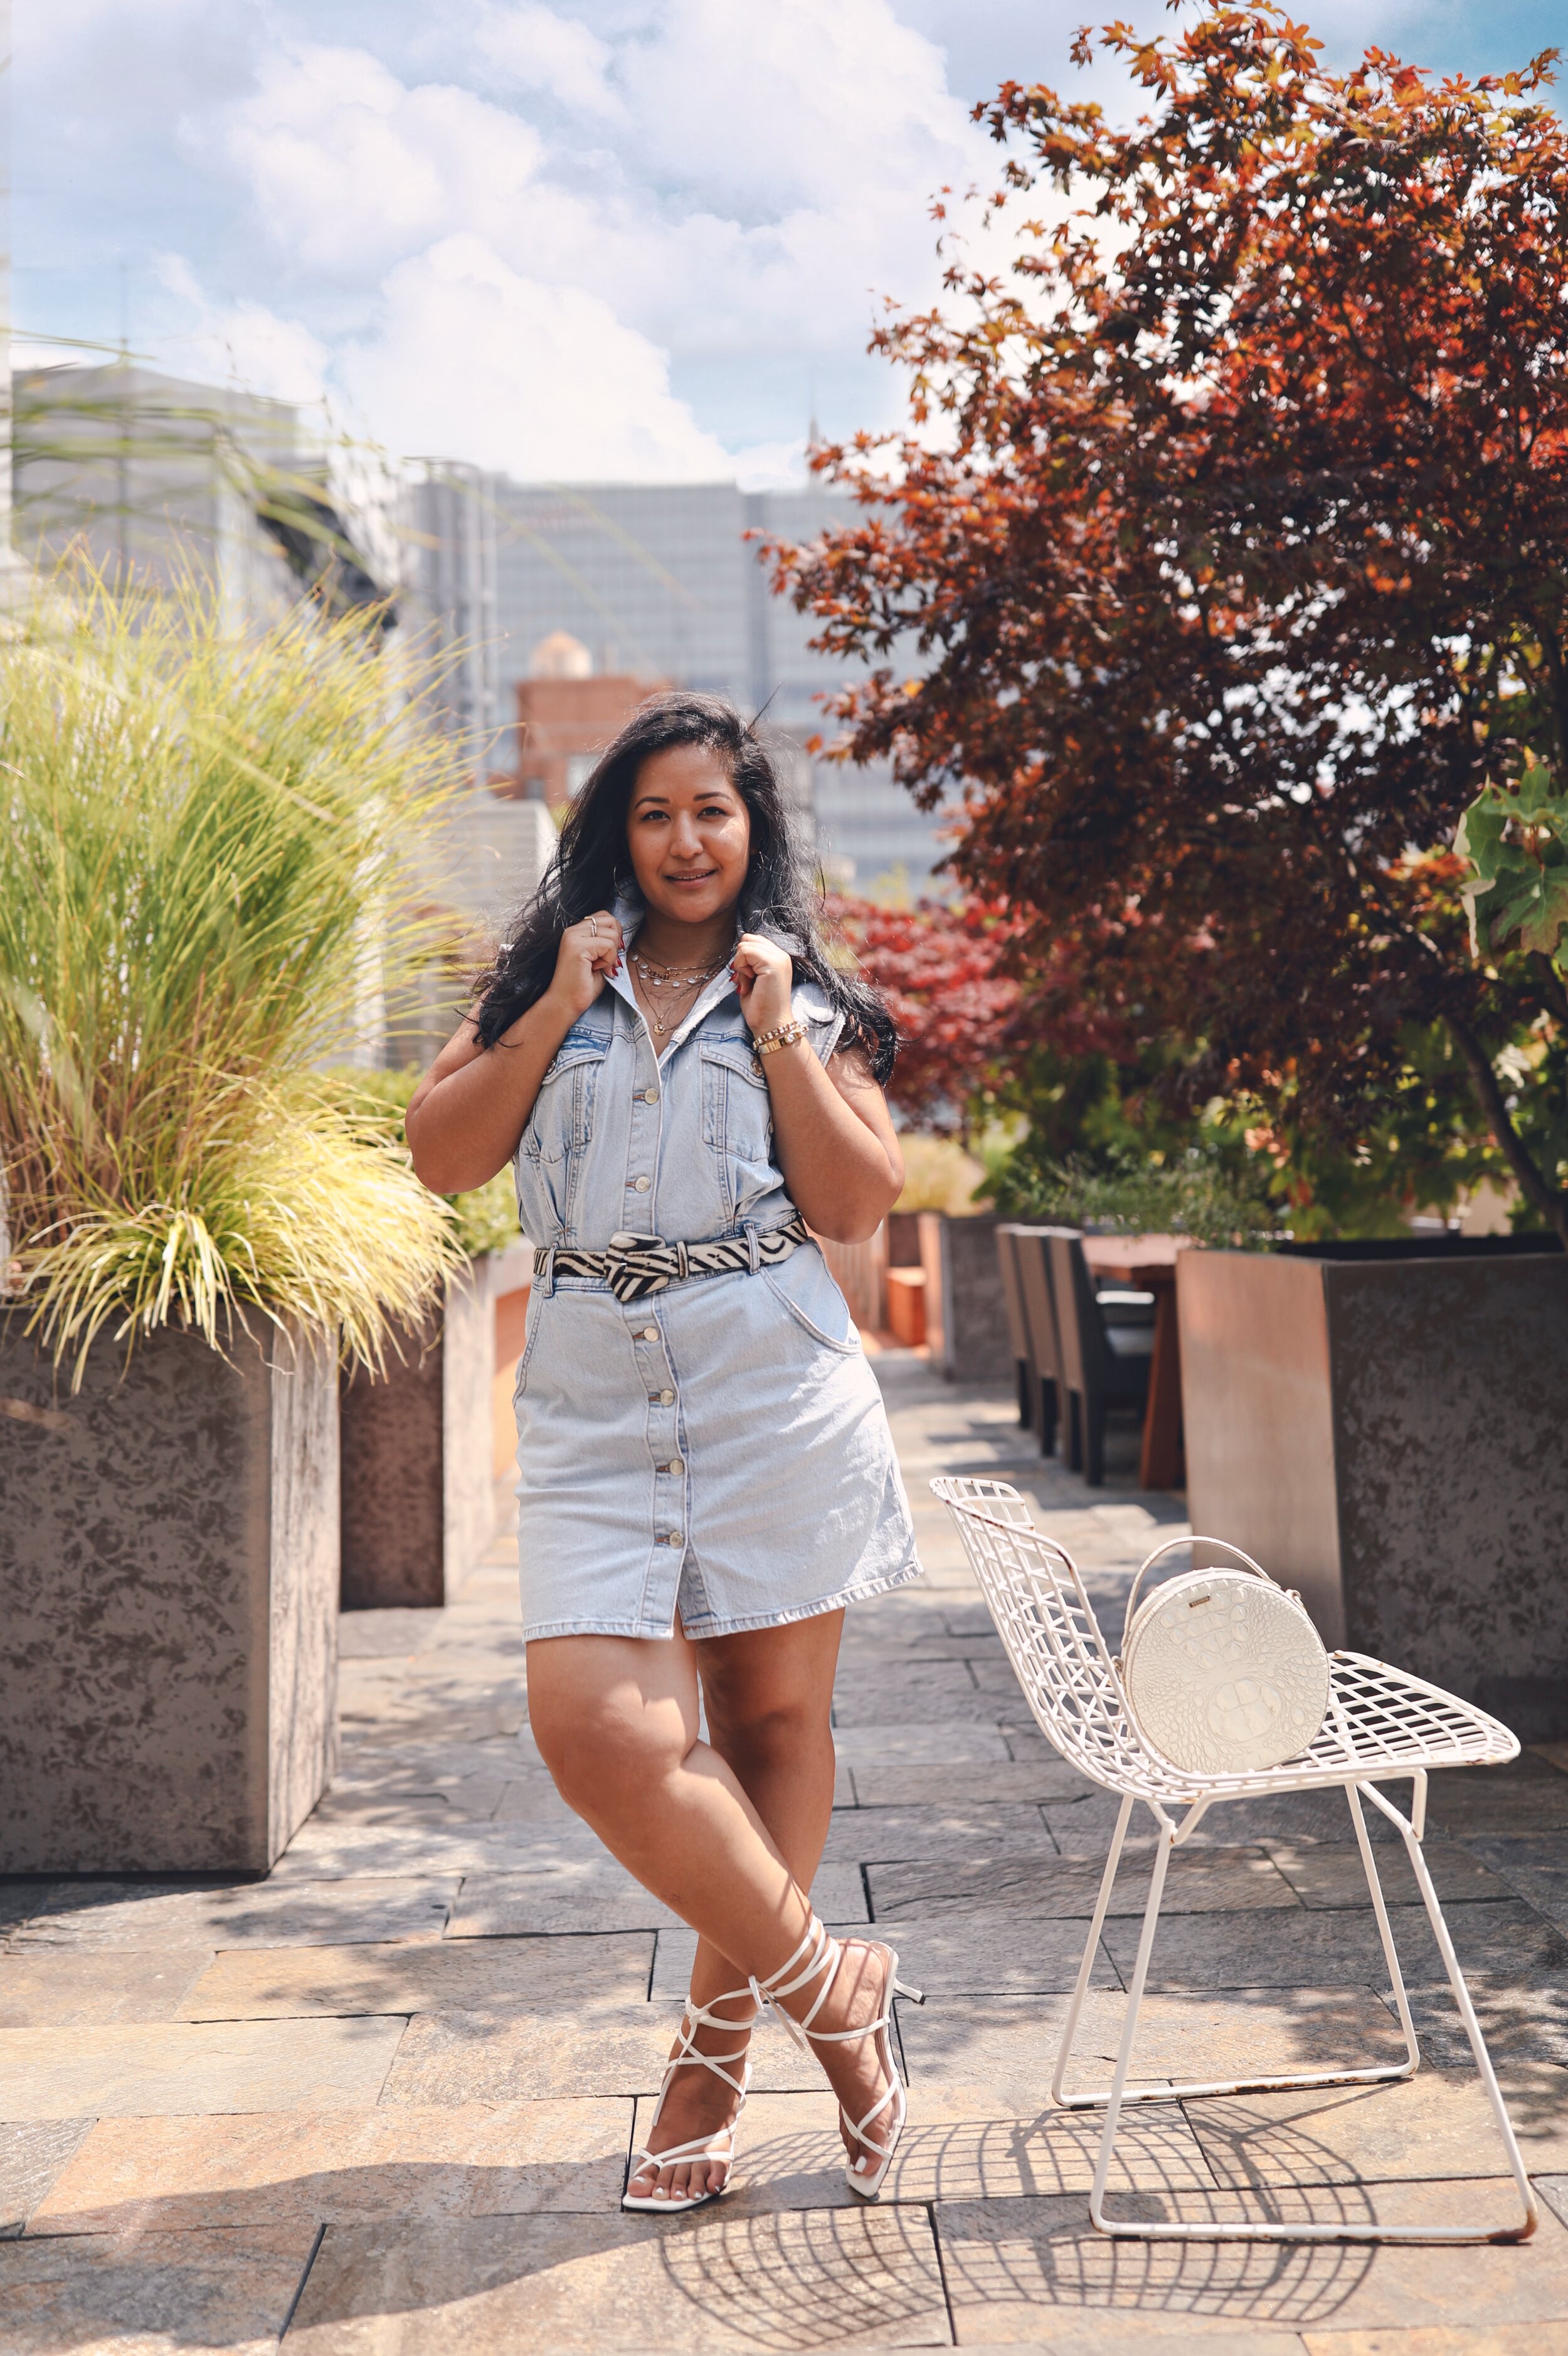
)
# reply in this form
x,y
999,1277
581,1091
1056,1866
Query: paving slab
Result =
x,y
792,2155
393,1630
500,1905
1198,1881
900,1784
454,1975
336,1851
1540,2338
957,1742
1438,2123
152,2294
1526,1796
1023,2271
1001,2050
873,1835
128,1914
1001,1953
46,1988
180,2067
711,2281
536,2056
1522,2022
1534,1864
340,2167
1253,1951
32,2153
1330,1874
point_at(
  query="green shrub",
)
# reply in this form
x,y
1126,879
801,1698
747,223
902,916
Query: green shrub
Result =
x,y
200,839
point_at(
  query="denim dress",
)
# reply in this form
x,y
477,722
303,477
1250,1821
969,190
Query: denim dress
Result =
x,y
719,1449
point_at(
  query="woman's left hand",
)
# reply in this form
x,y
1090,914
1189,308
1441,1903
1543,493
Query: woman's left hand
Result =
x,y
764,976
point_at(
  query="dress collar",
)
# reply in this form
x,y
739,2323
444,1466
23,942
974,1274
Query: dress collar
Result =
x,y
628,914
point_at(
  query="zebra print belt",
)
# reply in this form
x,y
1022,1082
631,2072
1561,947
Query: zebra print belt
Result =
x,y
635,1266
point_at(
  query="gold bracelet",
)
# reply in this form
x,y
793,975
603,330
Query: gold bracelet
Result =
x,y
788,1034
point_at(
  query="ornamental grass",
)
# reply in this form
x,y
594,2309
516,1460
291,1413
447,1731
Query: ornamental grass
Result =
x,y
205,839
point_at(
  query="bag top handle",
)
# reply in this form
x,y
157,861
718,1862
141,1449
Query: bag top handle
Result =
x,y
1169,1547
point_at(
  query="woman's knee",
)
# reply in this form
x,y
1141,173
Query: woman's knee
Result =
x,y
769,1720
599,1735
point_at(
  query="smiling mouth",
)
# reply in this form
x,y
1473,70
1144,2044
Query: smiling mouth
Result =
x,y
703,875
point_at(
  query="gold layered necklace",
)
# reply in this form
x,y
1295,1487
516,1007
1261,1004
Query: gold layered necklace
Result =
x,y
683,984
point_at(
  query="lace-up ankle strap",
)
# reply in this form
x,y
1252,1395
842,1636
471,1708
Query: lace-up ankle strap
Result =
x,y
822,1955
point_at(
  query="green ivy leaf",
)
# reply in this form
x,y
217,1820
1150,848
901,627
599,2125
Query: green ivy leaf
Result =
x,y
1516,840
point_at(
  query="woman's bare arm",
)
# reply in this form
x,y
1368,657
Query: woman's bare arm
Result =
x,y
466,1115
836,1142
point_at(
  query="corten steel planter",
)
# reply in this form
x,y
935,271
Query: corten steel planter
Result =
x,y
418,1480
1385,1427
168,1602
966,1312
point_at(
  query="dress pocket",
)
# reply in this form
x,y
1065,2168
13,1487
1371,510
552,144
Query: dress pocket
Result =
x,y
804,1286
737,1121
562,1122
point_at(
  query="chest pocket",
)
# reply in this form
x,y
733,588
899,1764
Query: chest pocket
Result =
x,y
737,1115
562,1122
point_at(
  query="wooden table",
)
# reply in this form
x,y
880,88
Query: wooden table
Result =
x,y
1148,1264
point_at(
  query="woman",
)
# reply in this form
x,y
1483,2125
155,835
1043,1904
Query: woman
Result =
x,y
683,1081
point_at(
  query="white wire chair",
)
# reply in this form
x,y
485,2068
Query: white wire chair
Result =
x,y
1381,1726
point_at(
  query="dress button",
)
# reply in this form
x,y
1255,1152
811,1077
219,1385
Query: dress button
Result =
x,y
667,1399
641,1185
650,1096
674,1538
647,1333
675,1465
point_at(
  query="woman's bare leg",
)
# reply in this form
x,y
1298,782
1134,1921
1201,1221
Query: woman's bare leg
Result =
x,y
617,1722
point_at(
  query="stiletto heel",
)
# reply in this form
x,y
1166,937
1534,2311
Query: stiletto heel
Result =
x,y
823,1955
687,2057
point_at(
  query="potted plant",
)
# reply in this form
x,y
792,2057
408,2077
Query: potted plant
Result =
x,y
202,840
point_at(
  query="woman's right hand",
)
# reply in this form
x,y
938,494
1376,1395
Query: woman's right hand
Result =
x,y
588,952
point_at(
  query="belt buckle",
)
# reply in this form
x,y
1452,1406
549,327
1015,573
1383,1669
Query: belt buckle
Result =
x,y
638,1265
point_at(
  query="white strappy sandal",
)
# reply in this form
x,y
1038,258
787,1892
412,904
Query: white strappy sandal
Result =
x,y
685,2057
824,1954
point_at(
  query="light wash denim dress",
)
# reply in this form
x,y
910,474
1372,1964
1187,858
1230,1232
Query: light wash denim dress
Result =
x,y
719,1449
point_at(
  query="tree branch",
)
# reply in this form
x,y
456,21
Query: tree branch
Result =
x,y
1534,1186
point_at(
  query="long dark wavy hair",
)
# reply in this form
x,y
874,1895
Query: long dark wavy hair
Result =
x,y
779,898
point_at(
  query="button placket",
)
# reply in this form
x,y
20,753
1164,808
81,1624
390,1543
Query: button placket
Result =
x,y
643,1136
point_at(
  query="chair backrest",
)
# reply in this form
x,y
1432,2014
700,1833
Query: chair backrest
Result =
x,y
1039,1312
1043,1615
1012,1294
1085,1353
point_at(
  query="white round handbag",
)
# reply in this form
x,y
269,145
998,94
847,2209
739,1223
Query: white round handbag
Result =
x,y
1223,1671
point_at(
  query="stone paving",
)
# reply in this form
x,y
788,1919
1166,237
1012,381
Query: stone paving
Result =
x,y
383,2102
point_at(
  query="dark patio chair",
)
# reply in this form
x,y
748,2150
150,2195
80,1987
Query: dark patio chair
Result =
x,y
1017,1328
1103,1365
1054,1410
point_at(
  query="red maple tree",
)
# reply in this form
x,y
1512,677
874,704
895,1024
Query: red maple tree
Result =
x,y
1238,562
941,970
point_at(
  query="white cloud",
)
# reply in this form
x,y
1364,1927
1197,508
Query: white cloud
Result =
x,y
243,342
350,169
471,360
533,48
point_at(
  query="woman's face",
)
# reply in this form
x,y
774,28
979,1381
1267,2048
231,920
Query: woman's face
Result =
x,y
688,833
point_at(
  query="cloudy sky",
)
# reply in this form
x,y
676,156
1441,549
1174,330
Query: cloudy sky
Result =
x,y
611,239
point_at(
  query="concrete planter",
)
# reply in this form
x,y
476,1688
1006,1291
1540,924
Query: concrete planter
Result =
x,y
966,1314
1384,1429
417,1447
168,1603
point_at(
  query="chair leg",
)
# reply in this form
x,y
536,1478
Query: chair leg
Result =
x,y
1080,1986
1094,1443
1074,1431
1025,1380
1047,1417
1119,2092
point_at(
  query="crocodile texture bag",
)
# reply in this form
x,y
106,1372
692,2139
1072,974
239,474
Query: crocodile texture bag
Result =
x,y
1223,1671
